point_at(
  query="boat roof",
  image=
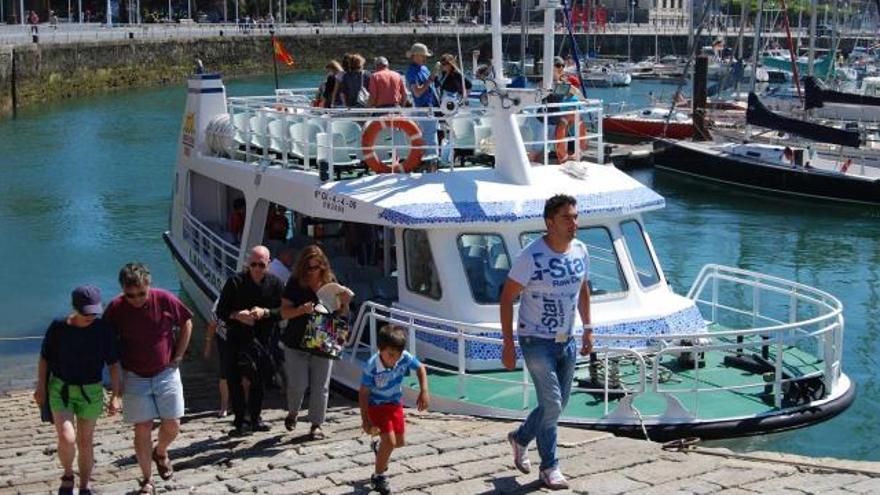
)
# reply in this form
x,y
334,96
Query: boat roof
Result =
x,y
479,196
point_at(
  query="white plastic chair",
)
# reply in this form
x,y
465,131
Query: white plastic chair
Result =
x,y
241,123
463,132
304,141
279,138
259,127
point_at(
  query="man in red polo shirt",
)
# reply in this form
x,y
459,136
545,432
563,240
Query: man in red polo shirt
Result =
x,y
146,319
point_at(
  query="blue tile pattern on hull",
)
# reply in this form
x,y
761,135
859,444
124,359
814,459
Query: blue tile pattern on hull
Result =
x,y
686,321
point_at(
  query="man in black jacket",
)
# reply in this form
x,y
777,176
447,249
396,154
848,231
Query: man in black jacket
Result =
x,y
250,305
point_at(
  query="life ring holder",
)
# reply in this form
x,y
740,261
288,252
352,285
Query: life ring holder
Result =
x,y
562,134
408,127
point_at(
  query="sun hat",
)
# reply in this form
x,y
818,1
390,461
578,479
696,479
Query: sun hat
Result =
x,y
418,49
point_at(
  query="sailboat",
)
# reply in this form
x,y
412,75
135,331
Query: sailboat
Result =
x,y
781,168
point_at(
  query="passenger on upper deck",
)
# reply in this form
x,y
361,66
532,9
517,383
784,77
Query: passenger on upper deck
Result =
x,y
334,70
386,86
451,81
420,81
355,85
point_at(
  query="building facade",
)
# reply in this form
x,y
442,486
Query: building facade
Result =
x,y
670,12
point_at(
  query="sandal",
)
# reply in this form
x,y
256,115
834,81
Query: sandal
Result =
x,y
147,488
317,433
67,482
163,466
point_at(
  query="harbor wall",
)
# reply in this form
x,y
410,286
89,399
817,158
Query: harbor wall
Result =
x,y
36,73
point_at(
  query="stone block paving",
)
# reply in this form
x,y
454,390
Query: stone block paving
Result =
x,y
447,454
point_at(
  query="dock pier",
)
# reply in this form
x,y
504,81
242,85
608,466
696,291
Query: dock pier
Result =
x,y
445,454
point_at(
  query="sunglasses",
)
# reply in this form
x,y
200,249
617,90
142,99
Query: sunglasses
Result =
x,y
135,295
257,264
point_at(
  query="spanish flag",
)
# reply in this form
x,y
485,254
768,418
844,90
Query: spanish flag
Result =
x,y
281,54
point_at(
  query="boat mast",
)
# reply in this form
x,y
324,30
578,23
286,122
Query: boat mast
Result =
x,y
834,39
756,48
744,17
524,37
811,58
511,162
549,7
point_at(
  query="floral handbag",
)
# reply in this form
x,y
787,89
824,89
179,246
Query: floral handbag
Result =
x,y
325,335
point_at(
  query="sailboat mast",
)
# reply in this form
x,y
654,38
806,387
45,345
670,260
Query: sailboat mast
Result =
x,y
524,37
756,47
811,58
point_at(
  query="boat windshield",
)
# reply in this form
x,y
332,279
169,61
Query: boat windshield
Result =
x,y
606,275
486,264
646,271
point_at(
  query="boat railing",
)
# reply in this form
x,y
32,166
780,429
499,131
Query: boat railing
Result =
x,y
285,130
748,314
215,257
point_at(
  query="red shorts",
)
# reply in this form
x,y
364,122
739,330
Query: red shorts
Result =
x,y
387,417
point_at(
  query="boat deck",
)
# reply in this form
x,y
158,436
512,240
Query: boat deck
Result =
x,y
503,389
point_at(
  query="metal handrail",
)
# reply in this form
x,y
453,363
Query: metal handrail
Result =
x,y
783,336
287,106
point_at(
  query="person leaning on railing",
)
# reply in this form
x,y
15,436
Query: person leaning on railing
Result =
x,y
74,352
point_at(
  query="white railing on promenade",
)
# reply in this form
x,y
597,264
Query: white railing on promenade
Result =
x,y
67,32
821,327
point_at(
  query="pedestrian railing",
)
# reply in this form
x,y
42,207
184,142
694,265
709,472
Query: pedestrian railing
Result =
x,y
796,330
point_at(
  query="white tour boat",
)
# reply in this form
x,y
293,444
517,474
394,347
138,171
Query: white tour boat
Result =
x,y
741,353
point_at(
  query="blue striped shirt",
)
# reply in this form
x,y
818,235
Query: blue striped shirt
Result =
x,y
385,383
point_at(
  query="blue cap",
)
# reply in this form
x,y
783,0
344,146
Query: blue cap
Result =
x,y
86,300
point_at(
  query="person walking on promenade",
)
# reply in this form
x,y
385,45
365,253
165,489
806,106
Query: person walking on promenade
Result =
x,y
146,320
551,274
249,305
72,357
386,86
380,397
304,366
216,331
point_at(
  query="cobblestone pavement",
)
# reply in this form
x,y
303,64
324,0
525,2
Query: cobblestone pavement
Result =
x,y
445,454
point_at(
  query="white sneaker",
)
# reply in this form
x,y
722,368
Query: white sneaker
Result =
x,y
553,479
520,455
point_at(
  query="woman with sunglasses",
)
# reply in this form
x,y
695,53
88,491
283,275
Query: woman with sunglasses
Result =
x,y
306,369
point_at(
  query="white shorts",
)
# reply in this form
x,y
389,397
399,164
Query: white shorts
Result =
x,y
156,397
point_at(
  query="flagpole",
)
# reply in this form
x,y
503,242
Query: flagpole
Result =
x,y
274,58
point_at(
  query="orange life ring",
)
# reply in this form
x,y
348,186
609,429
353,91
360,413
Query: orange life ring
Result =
x,y
562,133
408,127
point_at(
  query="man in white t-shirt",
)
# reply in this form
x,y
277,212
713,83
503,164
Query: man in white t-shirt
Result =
x,y
550,275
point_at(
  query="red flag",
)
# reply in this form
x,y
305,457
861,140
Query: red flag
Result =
x,y
282,55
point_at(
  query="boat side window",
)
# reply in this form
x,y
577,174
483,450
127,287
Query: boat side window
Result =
x,y
606,274
646,271
421,272
486,263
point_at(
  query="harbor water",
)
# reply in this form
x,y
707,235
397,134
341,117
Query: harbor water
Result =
x,y
85,187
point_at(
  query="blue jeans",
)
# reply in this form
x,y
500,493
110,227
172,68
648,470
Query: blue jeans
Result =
x,y
551,366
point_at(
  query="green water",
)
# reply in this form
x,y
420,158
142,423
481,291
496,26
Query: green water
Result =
x,y
85,188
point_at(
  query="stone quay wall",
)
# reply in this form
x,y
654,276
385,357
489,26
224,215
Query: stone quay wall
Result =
x,y
36,73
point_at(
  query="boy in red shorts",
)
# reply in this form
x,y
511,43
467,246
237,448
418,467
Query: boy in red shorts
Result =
x,y
380,397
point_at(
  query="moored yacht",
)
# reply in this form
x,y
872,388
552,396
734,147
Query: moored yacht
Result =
x,y
425,241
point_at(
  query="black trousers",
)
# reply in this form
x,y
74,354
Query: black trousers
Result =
x,y
245,362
